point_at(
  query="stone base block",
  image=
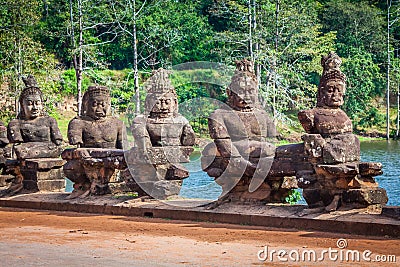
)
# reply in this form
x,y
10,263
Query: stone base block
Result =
x,y
45,185
41,174
365,196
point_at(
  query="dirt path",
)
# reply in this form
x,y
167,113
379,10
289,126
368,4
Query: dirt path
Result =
x,y
43,238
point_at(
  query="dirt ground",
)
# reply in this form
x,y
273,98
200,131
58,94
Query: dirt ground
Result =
x,y
44,238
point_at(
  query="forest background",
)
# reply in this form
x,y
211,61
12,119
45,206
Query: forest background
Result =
x,y
70,44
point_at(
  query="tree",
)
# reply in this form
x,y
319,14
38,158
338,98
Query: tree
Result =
x,y
20,54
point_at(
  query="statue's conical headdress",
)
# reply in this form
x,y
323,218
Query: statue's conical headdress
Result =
x,y
156,86
331,71
244,78
31,87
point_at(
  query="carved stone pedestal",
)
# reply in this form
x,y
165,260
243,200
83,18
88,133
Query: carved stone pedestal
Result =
x,y
157,172
339,178
270,183
43,174
92,168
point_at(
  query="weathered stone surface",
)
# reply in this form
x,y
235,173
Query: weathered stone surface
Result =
x,y
241,156
163,140
341,148
334,152
99,138
36,142
365,196
51,185
3,143
44,164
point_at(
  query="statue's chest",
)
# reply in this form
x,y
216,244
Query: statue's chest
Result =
x,y
332,122
100,131
35,131
164,133
245,124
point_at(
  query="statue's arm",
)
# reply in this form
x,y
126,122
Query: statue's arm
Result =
x,y
14,132
121,137
306,118
271,128
140,133
55,133
75,132
224,144
188,137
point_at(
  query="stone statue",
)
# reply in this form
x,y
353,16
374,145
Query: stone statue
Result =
x,y
99,138
242,153
36,142
333,149
34,134
163,138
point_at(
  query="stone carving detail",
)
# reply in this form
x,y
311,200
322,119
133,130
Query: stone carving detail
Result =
x,y
36,138
99,139
164,140
3,143
338,176
242,153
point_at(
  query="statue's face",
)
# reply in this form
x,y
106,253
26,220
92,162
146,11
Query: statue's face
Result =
x,y
165,106
332,93
243,99
98,107
32,106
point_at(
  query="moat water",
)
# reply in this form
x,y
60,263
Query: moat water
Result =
x,y
200,185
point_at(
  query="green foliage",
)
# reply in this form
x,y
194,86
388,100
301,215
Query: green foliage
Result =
x,y
364,81
358,25
293,197
35,38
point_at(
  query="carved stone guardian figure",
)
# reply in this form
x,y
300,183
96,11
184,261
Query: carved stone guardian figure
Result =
x,y
163,139
36,142
339,178
242,153
99,139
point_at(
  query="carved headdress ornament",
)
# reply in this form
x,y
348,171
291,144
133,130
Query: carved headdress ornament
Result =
x,y
31,87
95,90
331,68
159,82
243,79
331,71
158,85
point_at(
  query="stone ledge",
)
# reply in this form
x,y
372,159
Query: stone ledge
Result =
x,y
355,222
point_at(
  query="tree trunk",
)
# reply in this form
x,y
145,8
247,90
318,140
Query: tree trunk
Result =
x,y
388,73
79,70
135,63
135,71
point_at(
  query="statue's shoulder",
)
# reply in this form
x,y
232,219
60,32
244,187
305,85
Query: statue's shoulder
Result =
x,y
180,119
116,121
47,118
221,113
139,119
76,122
14,123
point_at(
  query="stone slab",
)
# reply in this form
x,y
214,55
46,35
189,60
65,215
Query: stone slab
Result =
x,y
44,163
355,222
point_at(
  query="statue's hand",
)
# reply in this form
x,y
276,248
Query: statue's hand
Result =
x,y
250,168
